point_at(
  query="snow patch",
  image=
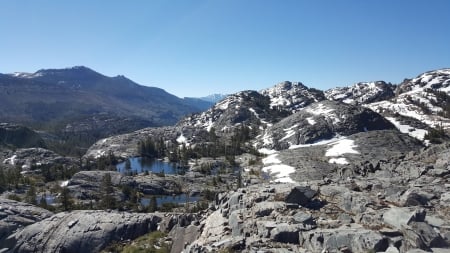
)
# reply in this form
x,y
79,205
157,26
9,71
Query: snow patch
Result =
x,y
289,132
267,151
271,159
320,109
311,121
407,129
64,183
344,146
181,139
340,160
280,172
320,142
11,160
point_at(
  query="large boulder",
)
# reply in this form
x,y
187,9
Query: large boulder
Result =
x,y
422,235
86,185
338,240
301,195
82,231
398,217
16,215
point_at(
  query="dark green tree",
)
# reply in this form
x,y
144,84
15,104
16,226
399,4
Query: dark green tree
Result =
x,y
43,202
31,196
153,205
65,199
107,200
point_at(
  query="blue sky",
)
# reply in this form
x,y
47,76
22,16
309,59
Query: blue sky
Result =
x,y
196,48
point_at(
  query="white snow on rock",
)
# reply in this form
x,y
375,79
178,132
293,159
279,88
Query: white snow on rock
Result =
x,y
11,160
409,110
271,159
317,143
280,172
267,138
223,105
289,95
311,121
267,151
340,147
289,132
181,139
340,160
416,99
64,183
320,109
413,132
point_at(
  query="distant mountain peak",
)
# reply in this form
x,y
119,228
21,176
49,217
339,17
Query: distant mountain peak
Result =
x,y
76,70
213,98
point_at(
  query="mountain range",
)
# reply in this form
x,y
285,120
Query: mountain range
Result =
x,y
363,168
79,100
290,114
68,95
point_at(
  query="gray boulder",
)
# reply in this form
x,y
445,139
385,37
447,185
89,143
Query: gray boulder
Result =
x,y
83,231
445,199
16,215
301,195
86,185
350,239
397,217
423,236
286,233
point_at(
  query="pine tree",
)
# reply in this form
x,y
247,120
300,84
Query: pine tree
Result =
x,y
43,202
66,200
153,205
31,195
107,200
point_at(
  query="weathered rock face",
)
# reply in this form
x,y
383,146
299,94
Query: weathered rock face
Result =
x,y
16,215
362,93
35,157
86,185
83,231
343,239
370,151
15,136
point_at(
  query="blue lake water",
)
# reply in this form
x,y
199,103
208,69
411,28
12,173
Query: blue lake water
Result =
x,y
179,199
50,199
141,164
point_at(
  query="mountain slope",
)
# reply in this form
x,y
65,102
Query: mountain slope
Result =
x,y
416,106
321,121
61,94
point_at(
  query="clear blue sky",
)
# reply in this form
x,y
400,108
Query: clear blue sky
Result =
x,y
195,48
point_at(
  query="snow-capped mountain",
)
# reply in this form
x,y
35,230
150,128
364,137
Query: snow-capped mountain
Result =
x,y
362,93
256,109
423,100
248,108
413,107
292,96
320,121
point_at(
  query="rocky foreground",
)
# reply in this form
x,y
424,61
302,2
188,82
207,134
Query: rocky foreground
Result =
x,y
388,209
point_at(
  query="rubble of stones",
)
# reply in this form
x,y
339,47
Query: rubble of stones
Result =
x,y
402,211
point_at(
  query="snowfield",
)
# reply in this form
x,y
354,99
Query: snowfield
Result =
x,y
278,171
340,147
